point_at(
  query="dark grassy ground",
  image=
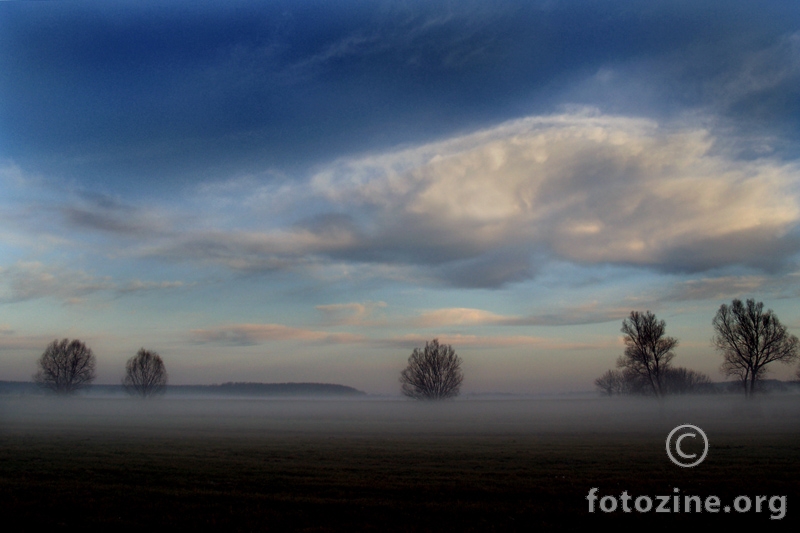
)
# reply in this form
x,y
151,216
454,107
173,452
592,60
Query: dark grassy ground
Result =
x,y
379,467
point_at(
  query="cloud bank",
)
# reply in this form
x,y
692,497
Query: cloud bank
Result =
x,y
253,334
584,188
488,208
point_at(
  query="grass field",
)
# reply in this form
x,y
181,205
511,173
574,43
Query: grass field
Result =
x,y
373,465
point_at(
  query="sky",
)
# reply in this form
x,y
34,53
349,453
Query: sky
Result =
x,y
306,191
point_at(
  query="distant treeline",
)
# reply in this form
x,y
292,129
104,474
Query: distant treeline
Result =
x,y
225,389
767,386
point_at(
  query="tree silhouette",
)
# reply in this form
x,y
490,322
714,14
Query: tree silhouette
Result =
x,y
648,352
674,380
65,366
750,339
679,380
433,373
612,382
145,374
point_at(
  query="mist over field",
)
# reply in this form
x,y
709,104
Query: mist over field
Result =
x,y
391,417
387,464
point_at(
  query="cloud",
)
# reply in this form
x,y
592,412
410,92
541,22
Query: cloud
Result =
x,y
253,334
764,80
588,188
139,286
30,280
11,341
11,175
351,314
486,209
253,251
104,213
458,316
728,287
418,341
716,288
591,313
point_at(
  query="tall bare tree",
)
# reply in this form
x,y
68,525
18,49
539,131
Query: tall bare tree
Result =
x,y
433,373
749,339
648,352
65,366
145,374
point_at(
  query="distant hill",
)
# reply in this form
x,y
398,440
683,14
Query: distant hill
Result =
x,y
268,389
225,389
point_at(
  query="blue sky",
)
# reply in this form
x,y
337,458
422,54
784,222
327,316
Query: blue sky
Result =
x,y
306,191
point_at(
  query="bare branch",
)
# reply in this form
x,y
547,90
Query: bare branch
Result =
x,y
648,353
65,366
749,339
433,373
145,374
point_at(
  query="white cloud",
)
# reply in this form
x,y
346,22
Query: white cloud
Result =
x,y
483,209
588,313
353,313
589,188
458,316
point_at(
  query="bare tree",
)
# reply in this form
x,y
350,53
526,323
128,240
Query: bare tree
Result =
x,y
750,339
433,373
681,380
611,382
674,380
145,374
648,352
65,366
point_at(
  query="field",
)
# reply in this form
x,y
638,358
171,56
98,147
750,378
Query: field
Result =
x,y
386,465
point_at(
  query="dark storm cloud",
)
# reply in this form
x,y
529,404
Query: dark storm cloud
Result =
x,y
152,94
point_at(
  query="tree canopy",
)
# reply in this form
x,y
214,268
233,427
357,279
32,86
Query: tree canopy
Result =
x,y
648,351
66,366
749,339
433,373
145,374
